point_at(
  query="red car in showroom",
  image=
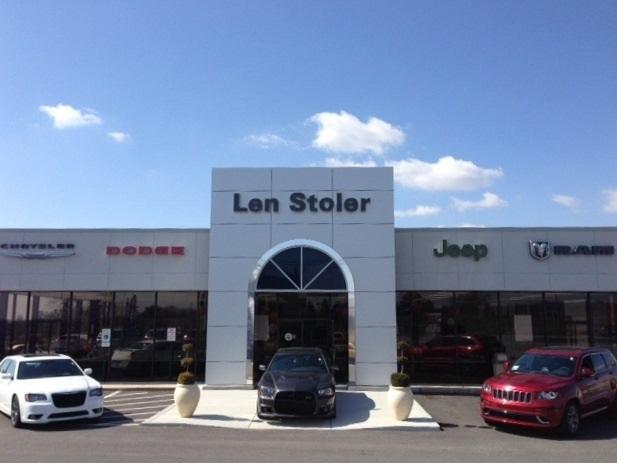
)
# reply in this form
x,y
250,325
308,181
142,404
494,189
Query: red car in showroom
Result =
x,y
552,388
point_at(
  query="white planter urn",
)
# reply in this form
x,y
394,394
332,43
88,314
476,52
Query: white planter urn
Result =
x,y
400,401
186,398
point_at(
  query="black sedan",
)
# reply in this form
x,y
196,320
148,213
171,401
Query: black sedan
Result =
x,y
297,383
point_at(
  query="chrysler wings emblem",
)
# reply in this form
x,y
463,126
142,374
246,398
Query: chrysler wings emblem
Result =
x,y
539,250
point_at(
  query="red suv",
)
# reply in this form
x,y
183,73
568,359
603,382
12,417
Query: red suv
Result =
x,y
552,388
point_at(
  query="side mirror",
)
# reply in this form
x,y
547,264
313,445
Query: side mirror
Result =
x,y
506,365
88,371
262,368
6,377
586,372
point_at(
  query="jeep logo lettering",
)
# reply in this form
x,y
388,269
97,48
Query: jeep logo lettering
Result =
x,y
477,251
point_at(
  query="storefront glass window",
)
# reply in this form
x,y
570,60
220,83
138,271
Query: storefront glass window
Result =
x,y
176,323
49,323
478,338
90,314
603,311
566,319
133,347
521,322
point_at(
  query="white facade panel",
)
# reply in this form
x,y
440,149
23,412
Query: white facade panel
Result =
x,y
293,179
241,240
380,209
222,209
376,344
364,240
231,274
316,232
228,308
225,343
226,179
369,309
86,281
372,274
374,374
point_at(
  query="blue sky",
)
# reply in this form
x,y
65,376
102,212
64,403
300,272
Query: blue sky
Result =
x,y
492,113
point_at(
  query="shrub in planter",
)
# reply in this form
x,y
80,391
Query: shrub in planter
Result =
x,y
400,380
400,398
186,394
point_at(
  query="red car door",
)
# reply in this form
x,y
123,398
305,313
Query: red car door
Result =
x,y
591,388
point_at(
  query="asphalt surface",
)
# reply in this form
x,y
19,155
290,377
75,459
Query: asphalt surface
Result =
x,y
464,438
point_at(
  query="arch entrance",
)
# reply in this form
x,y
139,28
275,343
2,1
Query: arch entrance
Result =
x,y
301,296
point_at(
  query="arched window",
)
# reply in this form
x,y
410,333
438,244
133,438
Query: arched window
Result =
x,y
301,268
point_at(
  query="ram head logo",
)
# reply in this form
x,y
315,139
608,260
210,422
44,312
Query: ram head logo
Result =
x,y
539,250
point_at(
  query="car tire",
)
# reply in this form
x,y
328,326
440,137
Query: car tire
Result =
x,y
612,410
15,413
571,420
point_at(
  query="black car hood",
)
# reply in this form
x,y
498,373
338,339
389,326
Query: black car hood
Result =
x,y
284,381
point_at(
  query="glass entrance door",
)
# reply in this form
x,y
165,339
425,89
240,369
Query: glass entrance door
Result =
x,y
301,320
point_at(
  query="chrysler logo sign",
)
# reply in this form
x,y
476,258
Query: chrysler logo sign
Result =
x,y
37,250
541,250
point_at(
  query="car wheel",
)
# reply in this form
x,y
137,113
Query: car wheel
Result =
x,y
571,420
15,413
612,411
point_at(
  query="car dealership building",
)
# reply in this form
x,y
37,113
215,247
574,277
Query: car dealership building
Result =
x,y
311,257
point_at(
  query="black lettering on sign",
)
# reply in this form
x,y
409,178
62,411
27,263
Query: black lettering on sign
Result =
x,y
297,202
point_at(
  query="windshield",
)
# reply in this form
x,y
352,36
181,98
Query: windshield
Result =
x,y
35,369
307,363
553,365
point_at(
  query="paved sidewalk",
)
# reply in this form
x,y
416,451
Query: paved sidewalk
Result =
x,y
355,410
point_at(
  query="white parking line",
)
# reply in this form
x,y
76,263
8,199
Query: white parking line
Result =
x,y
140,398
122,410
137,413
126,394
112,394
136,403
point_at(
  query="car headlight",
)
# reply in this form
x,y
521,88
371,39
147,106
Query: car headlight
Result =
x,y
266,392
487,388
325,391
548,395
97,392
35,397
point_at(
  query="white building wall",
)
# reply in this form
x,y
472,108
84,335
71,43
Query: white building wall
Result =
x,y
365,240
91,269
508,265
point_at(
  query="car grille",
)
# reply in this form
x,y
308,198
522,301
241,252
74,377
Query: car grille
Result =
x,y
295,403
512,396
67,415
69,399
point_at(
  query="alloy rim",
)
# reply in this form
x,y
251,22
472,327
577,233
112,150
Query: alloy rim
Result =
x,y
573,419
14,413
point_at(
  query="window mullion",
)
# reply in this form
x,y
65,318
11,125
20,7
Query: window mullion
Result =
x,y
285,274
319,273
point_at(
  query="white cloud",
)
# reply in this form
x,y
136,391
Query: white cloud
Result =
x,y
339,162
610,197
566,201
418,211
267,140
118,136
65,116
488,201
345,133
447,174
471,225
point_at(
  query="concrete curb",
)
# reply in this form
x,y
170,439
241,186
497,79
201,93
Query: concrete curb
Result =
x,y
427,389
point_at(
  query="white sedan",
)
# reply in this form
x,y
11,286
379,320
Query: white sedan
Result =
x,y
47,388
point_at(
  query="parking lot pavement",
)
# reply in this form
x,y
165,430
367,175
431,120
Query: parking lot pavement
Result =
x,y
132,407
122,408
